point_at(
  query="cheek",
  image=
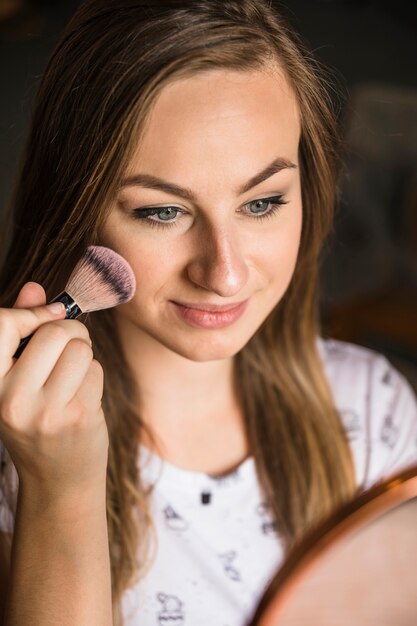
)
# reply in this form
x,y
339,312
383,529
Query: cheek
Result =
x,y
155,264
151,258
280,250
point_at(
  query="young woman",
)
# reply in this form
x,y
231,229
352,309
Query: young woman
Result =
x,y
163,480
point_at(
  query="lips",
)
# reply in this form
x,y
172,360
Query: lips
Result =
x,y
211,308
202,318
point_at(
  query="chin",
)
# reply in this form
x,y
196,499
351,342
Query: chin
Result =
x,y
205,350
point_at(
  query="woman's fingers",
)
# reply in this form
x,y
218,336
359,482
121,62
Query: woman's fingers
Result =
x,y
90,392
31,295
69,372
15,324
40,356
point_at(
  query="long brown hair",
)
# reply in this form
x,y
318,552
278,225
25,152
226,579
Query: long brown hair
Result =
x,y
109,66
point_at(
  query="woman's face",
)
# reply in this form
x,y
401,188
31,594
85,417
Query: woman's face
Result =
x,y
212,238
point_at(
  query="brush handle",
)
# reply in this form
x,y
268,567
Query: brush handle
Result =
x,y
72,311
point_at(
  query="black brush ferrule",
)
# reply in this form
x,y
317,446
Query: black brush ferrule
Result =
x,y
72,309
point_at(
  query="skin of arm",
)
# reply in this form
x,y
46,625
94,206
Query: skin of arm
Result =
x,y
60,562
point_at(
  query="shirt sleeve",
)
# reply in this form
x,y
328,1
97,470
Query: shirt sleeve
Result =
x,y
392,428
9,485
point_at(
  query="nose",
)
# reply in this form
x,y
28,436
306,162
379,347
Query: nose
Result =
x,y
219,265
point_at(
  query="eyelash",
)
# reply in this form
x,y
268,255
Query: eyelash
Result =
x,y
142,214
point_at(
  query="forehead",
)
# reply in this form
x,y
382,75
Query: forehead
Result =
x,y
222,120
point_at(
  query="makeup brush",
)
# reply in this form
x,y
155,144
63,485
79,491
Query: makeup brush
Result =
x,y
100,280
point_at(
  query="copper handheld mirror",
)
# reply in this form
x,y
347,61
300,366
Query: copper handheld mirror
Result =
x,y
357,568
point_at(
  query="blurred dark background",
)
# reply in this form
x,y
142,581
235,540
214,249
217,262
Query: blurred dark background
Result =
x,y
369,271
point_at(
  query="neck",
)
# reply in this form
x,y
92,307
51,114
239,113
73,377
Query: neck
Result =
x,y
172,387
191,408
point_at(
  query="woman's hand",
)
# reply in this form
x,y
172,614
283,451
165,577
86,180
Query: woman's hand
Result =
x,y
51,420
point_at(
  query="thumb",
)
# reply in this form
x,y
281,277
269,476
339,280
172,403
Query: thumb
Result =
x,y
30,312
31,294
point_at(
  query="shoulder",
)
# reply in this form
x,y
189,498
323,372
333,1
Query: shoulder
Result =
x,y
377,406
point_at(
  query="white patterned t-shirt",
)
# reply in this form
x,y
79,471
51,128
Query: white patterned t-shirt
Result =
x,y
216,545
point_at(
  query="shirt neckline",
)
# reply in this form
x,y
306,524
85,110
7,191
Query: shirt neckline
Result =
x,y
156,469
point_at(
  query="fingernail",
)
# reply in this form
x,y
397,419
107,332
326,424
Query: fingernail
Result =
x,y
56,307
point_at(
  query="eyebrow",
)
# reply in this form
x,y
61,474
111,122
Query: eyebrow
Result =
x,y
152,182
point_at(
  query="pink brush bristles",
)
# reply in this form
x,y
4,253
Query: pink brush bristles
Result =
x,y
101,279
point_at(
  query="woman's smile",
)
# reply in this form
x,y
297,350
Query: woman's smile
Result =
x,y
201,318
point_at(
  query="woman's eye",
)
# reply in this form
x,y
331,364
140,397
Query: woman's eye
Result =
x,y
261,206
166,215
